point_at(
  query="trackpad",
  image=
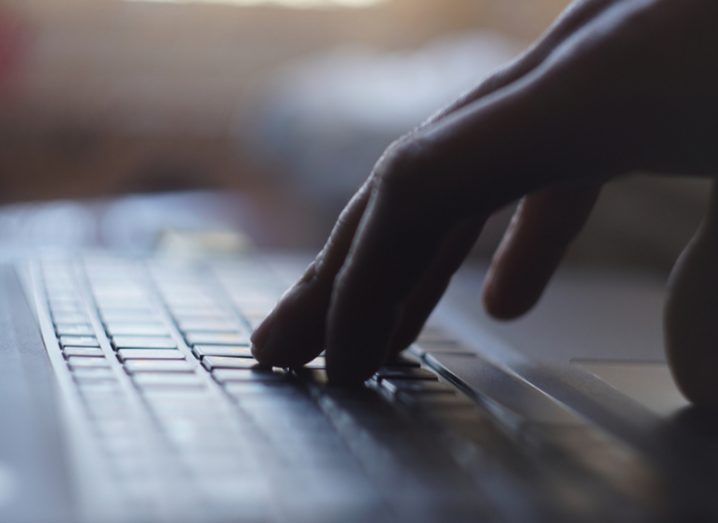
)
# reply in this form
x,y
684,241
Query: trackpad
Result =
x,y
648,383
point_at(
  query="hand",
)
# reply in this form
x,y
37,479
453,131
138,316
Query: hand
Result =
x,y
614,86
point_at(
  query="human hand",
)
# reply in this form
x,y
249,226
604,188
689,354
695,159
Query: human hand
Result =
x,y
614,86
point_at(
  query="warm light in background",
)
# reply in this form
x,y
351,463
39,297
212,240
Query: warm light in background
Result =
x,y
286,3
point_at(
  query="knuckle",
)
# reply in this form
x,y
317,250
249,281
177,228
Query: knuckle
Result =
x,y
404,167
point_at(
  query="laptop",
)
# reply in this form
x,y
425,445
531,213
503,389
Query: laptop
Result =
x,y
129,394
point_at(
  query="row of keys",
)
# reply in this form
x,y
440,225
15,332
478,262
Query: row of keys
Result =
x,y
198,310
138,332
97,385
285,432
188,416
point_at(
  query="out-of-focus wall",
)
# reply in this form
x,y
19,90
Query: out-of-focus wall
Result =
x,y
118,96
144,66
108,88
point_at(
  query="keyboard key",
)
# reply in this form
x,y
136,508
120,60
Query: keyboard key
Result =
x,y
221,362
90,388
395,386
74,329
77,362
79,341
244,388
87,352
255,374
137,366
137,342
235,351
401,362
149,354
69,318
227,351
164,379
69,307
218,326
92,373
196,314
137,329
130,317
224,362
217,339
412,373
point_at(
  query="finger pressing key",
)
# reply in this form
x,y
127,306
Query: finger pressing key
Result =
x,y
395,244
293,333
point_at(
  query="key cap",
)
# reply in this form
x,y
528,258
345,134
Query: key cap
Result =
x,y
88,352
94,387
137,366
129,316
210,338
81,373
79,341
230,351
74,329
95,380
66,308
221,362
395,386
218,326
168,380
137,329
77,362
136,342
128,319
401,362
232,375
193,313
69,318
412,373
149,354
244,388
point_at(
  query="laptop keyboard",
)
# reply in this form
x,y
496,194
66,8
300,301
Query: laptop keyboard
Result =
x,y
155,358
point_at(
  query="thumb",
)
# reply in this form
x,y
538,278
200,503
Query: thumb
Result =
x,y
691,314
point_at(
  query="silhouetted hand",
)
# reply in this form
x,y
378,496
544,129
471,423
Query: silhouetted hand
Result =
x,y
613,87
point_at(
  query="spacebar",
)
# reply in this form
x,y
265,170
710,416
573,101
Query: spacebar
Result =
x,y
489,383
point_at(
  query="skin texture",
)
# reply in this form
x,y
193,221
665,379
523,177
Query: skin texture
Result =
x,y
614,86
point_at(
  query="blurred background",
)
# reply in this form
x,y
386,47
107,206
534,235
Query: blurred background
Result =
x,y
280,106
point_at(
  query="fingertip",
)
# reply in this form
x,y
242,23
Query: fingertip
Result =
x,y
356,348
258,349
293,333
261,334
503,305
